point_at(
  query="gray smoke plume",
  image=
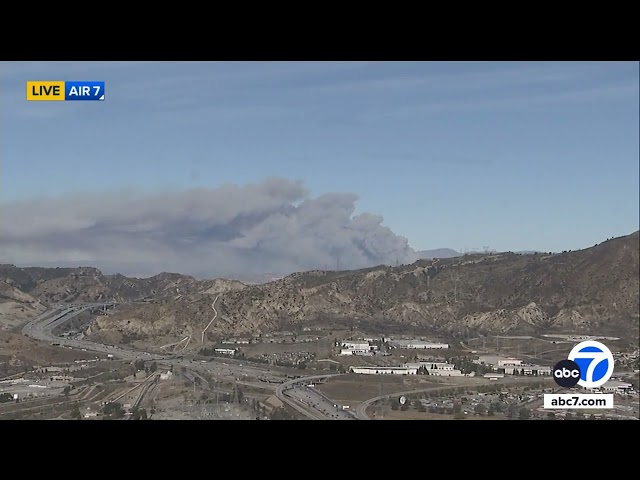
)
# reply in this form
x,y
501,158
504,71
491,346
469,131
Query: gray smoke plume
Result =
x,y
273,226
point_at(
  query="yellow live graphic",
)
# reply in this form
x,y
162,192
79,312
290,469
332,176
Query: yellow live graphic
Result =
x,y
45,90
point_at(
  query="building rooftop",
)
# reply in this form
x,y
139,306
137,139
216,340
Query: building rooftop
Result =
x,y
385,368
616,384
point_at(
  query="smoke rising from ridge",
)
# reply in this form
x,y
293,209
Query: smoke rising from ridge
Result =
x,y
273,226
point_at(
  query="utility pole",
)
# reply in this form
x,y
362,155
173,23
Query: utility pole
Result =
x,y
217,404
382,404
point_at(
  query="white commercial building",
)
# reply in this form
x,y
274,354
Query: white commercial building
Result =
x,y
614,386
507,362
355,345
526,370
497,361
357,348
417,344
384,370
439,369
374,339
226,351
355,351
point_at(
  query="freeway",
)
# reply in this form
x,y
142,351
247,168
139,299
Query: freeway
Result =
x,y
42,328
319,405
312,405
295,393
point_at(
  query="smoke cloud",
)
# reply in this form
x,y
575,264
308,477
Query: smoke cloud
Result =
x,y
233,231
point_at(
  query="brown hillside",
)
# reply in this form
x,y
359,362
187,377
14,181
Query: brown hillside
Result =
x,y
593,290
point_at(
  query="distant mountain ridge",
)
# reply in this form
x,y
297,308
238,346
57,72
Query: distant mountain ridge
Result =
x,y
437,253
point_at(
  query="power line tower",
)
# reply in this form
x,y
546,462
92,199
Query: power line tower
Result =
x,y
383,405
217,400
234,394
455,286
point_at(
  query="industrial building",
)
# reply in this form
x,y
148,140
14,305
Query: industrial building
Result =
x,y
62,378
375,339
355,351
226,351
355,345
384,370
497,361
526,370
439,369
370,350
615,386
512,366
418,344
357,348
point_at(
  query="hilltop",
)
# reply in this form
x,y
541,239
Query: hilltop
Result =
x,y
27,291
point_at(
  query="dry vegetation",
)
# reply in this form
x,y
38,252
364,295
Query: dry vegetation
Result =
x,y
17,351
352,389
593,291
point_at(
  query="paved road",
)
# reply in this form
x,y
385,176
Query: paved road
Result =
x,y
308,410
320,406
361,408
42,327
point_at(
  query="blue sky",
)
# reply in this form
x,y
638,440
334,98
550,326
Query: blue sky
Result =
x,y
515,156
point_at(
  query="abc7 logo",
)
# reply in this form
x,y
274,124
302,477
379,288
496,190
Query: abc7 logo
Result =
x,y
590,365
566,373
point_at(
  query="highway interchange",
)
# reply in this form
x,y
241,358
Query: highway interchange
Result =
x,y
302,396
42,328
295,393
